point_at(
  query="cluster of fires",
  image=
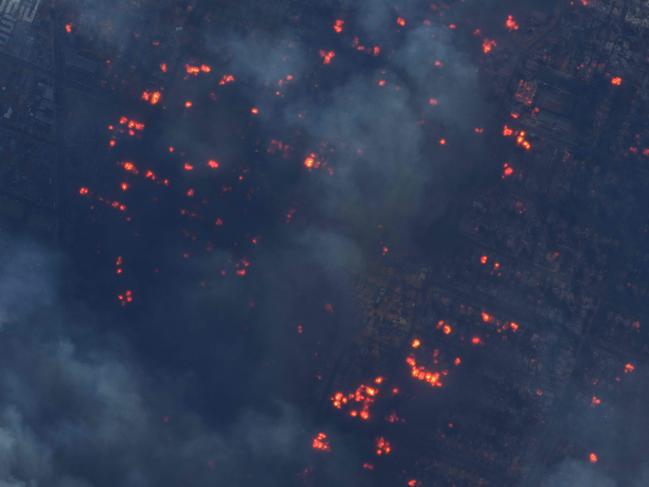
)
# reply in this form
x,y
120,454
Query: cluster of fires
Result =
x,y
431,368
520,136
359,402
432,371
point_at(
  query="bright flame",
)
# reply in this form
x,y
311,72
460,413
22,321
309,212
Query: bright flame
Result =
x,y
488,45
151,97
327,56
321,443
511,24
383,446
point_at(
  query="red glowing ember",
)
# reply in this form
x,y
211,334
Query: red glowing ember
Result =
x,y
311,161
327,56
151,97
359,402
383,446
422,374
126,298
511,24
488,45
227,79
320,443
195,70
129,167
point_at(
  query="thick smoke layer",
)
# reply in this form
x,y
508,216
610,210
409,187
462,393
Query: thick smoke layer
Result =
x,y
78,410
205,380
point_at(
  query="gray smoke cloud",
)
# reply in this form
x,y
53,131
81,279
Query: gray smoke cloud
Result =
x,y
78,411
79,406
380,142
575,474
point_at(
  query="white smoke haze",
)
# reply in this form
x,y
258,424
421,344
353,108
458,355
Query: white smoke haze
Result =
x,y
75,414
